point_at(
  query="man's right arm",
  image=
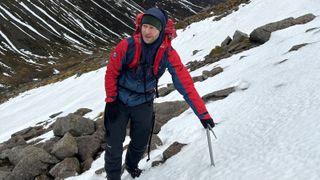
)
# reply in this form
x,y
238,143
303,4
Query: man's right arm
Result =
x,y
113,70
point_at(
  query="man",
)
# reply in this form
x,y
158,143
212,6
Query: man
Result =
x,y
131,79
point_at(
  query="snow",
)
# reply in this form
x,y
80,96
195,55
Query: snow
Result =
x,y
6,74
76,7
61,25
268,128
71,39
112,15
4,65
31,54
55,71
22,23
42,20
11,44
3,16
22,30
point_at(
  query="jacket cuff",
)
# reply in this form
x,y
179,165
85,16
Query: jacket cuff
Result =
x,y
110,99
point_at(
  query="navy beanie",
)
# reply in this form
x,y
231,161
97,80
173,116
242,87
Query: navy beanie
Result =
x,y
149,19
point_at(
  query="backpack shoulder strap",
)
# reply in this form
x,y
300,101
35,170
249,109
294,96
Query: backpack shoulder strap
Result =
x,y
136,47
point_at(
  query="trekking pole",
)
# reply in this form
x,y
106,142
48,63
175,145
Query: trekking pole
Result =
x,y
209,143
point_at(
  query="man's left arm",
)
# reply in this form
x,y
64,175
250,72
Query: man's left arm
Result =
x,y
185,85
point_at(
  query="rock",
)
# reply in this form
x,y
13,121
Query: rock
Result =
x,y
241,46
48,145
14,155
172,150
100,171
238,37
86,165
100,130
164,91
82,111
155,142
157,127
297,47
65,147
226,42
99,124
167,110
156,163
5,165
198,79
13,142
211,73
68,167
75,124
43,177
4,175
195,52
55,115
304,19
35,161
88,146
263,33
217,95
30,132
193,65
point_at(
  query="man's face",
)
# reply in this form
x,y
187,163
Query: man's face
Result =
x,y
149,33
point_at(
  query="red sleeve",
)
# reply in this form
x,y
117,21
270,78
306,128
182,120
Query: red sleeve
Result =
x,y
184,84
113,70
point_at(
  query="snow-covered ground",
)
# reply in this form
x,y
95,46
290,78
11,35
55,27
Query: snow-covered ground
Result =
x,y
269,131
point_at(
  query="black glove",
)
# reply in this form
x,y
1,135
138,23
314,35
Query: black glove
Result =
x,y
112,110
207,122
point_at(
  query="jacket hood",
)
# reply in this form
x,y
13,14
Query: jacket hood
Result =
x,y
163,17
159,14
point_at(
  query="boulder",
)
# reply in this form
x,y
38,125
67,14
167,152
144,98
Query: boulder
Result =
x,y
74,124
262,34
14,155
35,161
65,147
66,168
88,146
167,110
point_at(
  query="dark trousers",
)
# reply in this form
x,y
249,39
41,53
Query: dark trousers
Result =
x,y
140,127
